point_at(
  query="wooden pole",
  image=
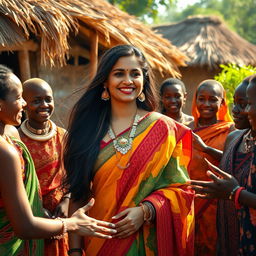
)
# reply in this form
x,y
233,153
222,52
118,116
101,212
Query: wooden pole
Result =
x,y
24,65
94,53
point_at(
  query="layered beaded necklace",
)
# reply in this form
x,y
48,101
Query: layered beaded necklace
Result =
x,y
41,134
123,144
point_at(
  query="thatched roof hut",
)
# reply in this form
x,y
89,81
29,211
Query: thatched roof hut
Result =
x,y
48,24
208,42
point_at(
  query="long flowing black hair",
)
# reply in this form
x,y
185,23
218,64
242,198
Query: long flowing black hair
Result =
x,y
90,120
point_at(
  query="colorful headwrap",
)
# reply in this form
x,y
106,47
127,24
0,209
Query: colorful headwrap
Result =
x,y
222,114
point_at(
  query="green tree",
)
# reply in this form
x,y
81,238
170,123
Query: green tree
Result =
x,y
232,75
141,8
240,15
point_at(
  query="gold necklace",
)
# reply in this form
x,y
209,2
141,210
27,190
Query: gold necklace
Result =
x,y
122,144
39,137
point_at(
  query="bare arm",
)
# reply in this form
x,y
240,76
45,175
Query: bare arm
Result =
x,y
199,144
19,212
221,187
75,241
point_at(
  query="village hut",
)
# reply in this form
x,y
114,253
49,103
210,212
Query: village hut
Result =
x,y
208,42
61,41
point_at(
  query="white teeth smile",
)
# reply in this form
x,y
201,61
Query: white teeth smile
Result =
x,y
126,89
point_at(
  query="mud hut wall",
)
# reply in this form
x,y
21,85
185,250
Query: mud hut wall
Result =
x,y
66,83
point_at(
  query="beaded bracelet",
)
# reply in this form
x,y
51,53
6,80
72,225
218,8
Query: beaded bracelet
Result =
x,y
233,192
237,194
64,229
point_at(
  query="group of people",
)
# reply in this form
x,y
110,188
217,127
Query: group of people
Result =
x,y
225,201
122,179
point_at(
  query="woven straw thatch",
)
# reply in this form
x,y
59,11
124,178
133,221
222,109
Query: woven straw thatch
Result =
x,y
207,41
50,22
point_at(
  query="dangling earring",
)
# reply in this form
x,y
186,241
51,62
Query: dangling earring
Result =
x,y
105,95
141,97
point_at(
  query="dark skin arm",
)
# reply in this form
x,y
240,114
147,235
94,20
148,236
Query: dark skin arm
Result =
x,y
199,144
19,212
61,209
221,186
74,240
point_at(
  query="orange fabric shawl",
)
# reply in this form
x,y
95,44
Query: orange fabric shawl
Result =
x,y
205,210
157,173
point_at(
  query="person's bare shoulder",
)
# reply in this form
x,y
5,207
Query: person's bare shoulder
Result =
x,y
8,155
12,131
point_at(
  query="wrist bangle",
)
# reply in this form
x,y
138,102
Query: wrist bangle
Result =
x,y
64,229
233,192
237,194
70,251
152,211
146,217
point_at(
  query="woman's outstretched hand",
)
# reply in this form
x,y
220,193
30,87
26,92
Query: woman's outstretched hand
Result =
x,y
132,220
87,226
220,187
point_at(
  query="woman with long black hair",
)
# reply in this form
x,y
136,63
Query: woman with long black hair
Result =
x,y
132,160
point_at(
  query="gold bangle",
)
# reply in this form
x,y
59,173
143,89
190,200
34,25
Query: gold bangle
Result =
x,y
145,217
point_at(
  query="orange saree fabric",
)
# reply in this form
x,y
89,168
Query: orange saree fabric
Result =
x,y
205,210
47,159
157,173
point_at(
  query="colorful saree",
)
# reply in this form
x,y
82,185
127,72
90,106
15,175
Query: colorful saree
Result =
x,y
205,210
47,159
10,245
156,173
237,164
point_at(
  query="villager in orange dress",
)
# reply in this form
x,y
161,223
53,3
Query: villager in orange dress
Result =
x,y
214,135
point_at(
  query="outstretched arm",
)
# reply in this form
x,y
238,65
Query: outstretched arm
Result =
x,y
222,186
19,212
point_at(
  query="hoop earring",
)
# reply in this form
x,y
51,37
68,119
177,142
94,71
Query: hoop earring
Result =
x,y
105,95
141,97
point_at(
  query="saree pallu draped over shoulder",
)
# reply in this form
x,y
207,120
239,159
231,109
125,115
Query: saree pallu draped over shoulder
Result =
x,y
157,173
10,245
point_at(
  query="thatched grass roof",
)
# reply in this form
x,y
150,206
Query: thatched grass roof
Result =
x,y
207,40
51,22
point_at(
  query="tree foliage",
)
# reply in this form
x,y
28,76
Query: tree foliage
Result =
x,y
239,14
141,8
231,76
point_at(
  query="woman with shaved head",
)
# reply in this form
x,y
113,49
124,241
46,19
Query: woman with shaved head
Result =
x,y
44,141
212,123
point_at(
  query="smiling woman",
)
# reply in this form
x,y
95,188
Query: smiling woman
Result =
x,y
173,98
20,204
212,123
44,141
132,159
